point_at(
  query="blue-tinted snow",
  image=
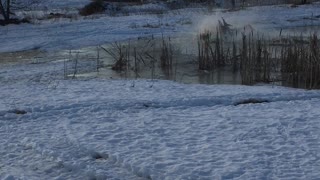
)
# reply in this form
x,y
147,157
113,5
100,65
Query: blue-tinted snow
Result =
x,y
109,129
143,129
100,29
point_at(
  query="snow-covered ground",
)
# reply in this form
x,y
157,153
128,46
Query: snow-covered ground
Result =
x,y
56,128
61,34
143,129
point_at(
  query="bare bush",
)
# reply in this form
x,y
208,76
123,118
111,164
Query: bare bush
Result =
x,y
94,7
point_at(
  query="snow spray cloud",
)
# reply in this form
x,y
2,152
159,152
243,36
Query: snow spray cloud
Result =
x,y
242,21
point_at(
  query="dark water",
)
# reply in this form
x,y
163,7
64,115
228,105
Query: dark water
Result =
x,y
143,60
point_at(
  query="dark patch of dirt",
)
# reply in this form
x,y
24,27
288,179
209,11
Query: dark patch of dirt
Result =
x,y
57,16
251,101
18,111
99,156
13,21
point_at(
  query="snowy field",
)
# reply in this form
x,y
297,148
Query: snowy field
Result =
x,y
77,32
91,128
143,129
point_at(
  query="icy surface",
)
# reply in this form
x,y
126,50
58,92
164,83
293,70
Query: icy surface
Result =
x,y
143,129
